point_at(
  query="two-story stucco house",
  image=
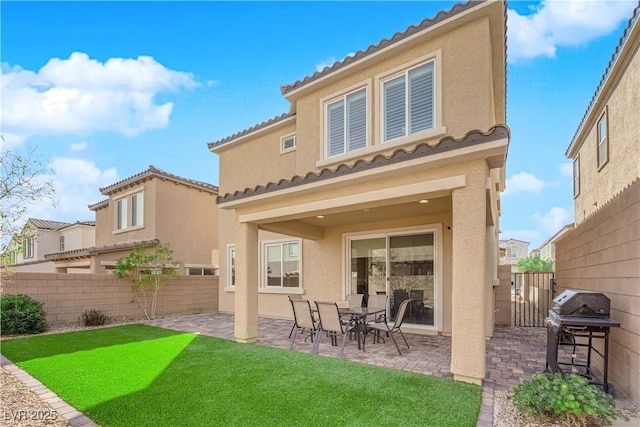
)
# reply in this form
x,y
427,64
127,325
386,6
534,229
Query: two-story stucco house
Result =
x,y
150,208
383,177
40,237
513,251
602,252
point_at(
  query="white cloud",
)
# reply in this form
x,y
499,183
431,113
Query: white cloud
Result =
x,y
79,146
545,226
327,62
562,23
80,94
523,182
566,169
77,183
552,221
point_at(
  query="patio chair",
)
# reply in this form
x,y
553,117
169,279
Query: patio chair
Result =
x,y
417,303
355,300
376,301
378,327
294,297
332,324
303,319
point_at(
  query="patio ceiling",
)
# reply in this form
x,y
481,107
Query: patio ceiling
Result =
x,y
312,225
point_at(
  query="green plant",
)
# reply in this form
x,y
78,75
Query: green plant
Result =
x,y
149,271
535,263
94,318
20,314
554,397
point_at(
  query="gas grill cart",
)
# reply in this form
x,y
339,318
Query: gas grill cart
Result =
x,y
578,320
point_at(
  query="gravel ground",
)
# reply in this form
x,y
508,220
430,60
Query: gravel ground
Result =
x,y
19,406
506,415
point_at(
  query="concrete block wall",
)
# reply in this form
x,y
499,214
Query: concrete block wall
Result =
x,y
503,296
66,296
603,254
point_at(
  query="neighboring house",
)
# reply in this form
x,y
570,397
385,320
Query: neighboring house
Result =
x,y
383,177
147,209
514,251
547,250
602,252
40,237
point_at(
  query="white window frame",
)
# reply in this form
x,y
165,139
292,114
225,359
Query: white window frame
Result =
x,y
576,177
231,273
404,74
335,97
29,247
603,141
125,205
343,99
263,266
286,138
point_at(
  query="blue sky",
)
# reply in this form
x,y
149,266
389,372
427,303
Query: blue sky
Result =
x,y
104,89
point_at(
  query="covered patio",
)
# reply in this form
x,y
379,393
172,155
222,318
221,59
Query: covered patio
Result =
x,y
513,353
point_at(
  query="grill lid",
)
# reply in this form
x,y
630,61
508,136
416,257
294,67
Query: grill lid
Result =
x,y
582,303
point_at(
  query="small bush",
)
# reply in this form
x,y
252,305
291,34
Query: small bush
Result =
x,y
94,318
558,398
21,314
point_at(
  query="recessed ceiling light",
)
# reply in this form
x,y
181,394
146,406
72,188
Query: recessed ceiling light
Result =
x,y
423,201
319,216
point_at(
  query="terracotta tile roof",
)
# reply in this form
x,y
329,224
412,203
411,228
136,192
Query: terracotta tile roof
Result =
x,y
635,18
448,143
384,43
252,129
152,171
95,250
100,204
88,223
45,224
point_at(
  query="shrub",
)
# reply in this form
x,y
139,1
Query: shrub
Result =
x,y
94,318
20,314
558,398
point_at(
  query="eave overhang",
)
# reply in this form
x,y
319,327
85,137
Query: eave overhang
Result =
x,y
491,145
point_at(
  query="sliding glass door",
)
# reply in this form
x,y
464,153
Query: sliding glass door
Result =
x,y
400,265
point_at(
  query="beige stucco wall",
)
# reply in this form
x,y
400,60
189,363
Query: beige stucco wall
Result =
x,y
78,236
66,296
467,104
623,103
603,254
181,216
469,93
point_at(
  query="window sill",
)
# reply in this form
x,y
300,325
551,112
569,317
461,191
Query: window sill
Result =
x,y
290,291
124,230
383,146
227,289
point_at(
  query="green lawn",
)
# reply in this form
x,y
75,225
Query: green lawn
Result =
x,y
139,375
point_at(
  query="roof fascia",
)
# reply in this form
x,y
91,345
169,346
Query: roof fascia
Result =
x,y
453,21
218,148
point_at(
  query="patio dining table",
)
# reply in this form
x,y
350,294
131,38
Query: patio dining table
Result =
x,y
358,316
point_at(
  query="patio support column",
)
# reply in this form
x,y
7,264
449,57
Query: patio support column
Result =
x,y
469,287
246,289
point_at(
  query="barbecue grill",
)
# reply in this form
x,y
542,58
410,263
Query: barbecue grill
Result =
x,y
577,320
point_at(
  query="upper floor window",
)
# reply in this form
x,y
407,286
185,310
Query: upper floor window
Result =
x,y
130,210
408,102
62,243
603,139
346,123
288,143
576,177
282,264
29,244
